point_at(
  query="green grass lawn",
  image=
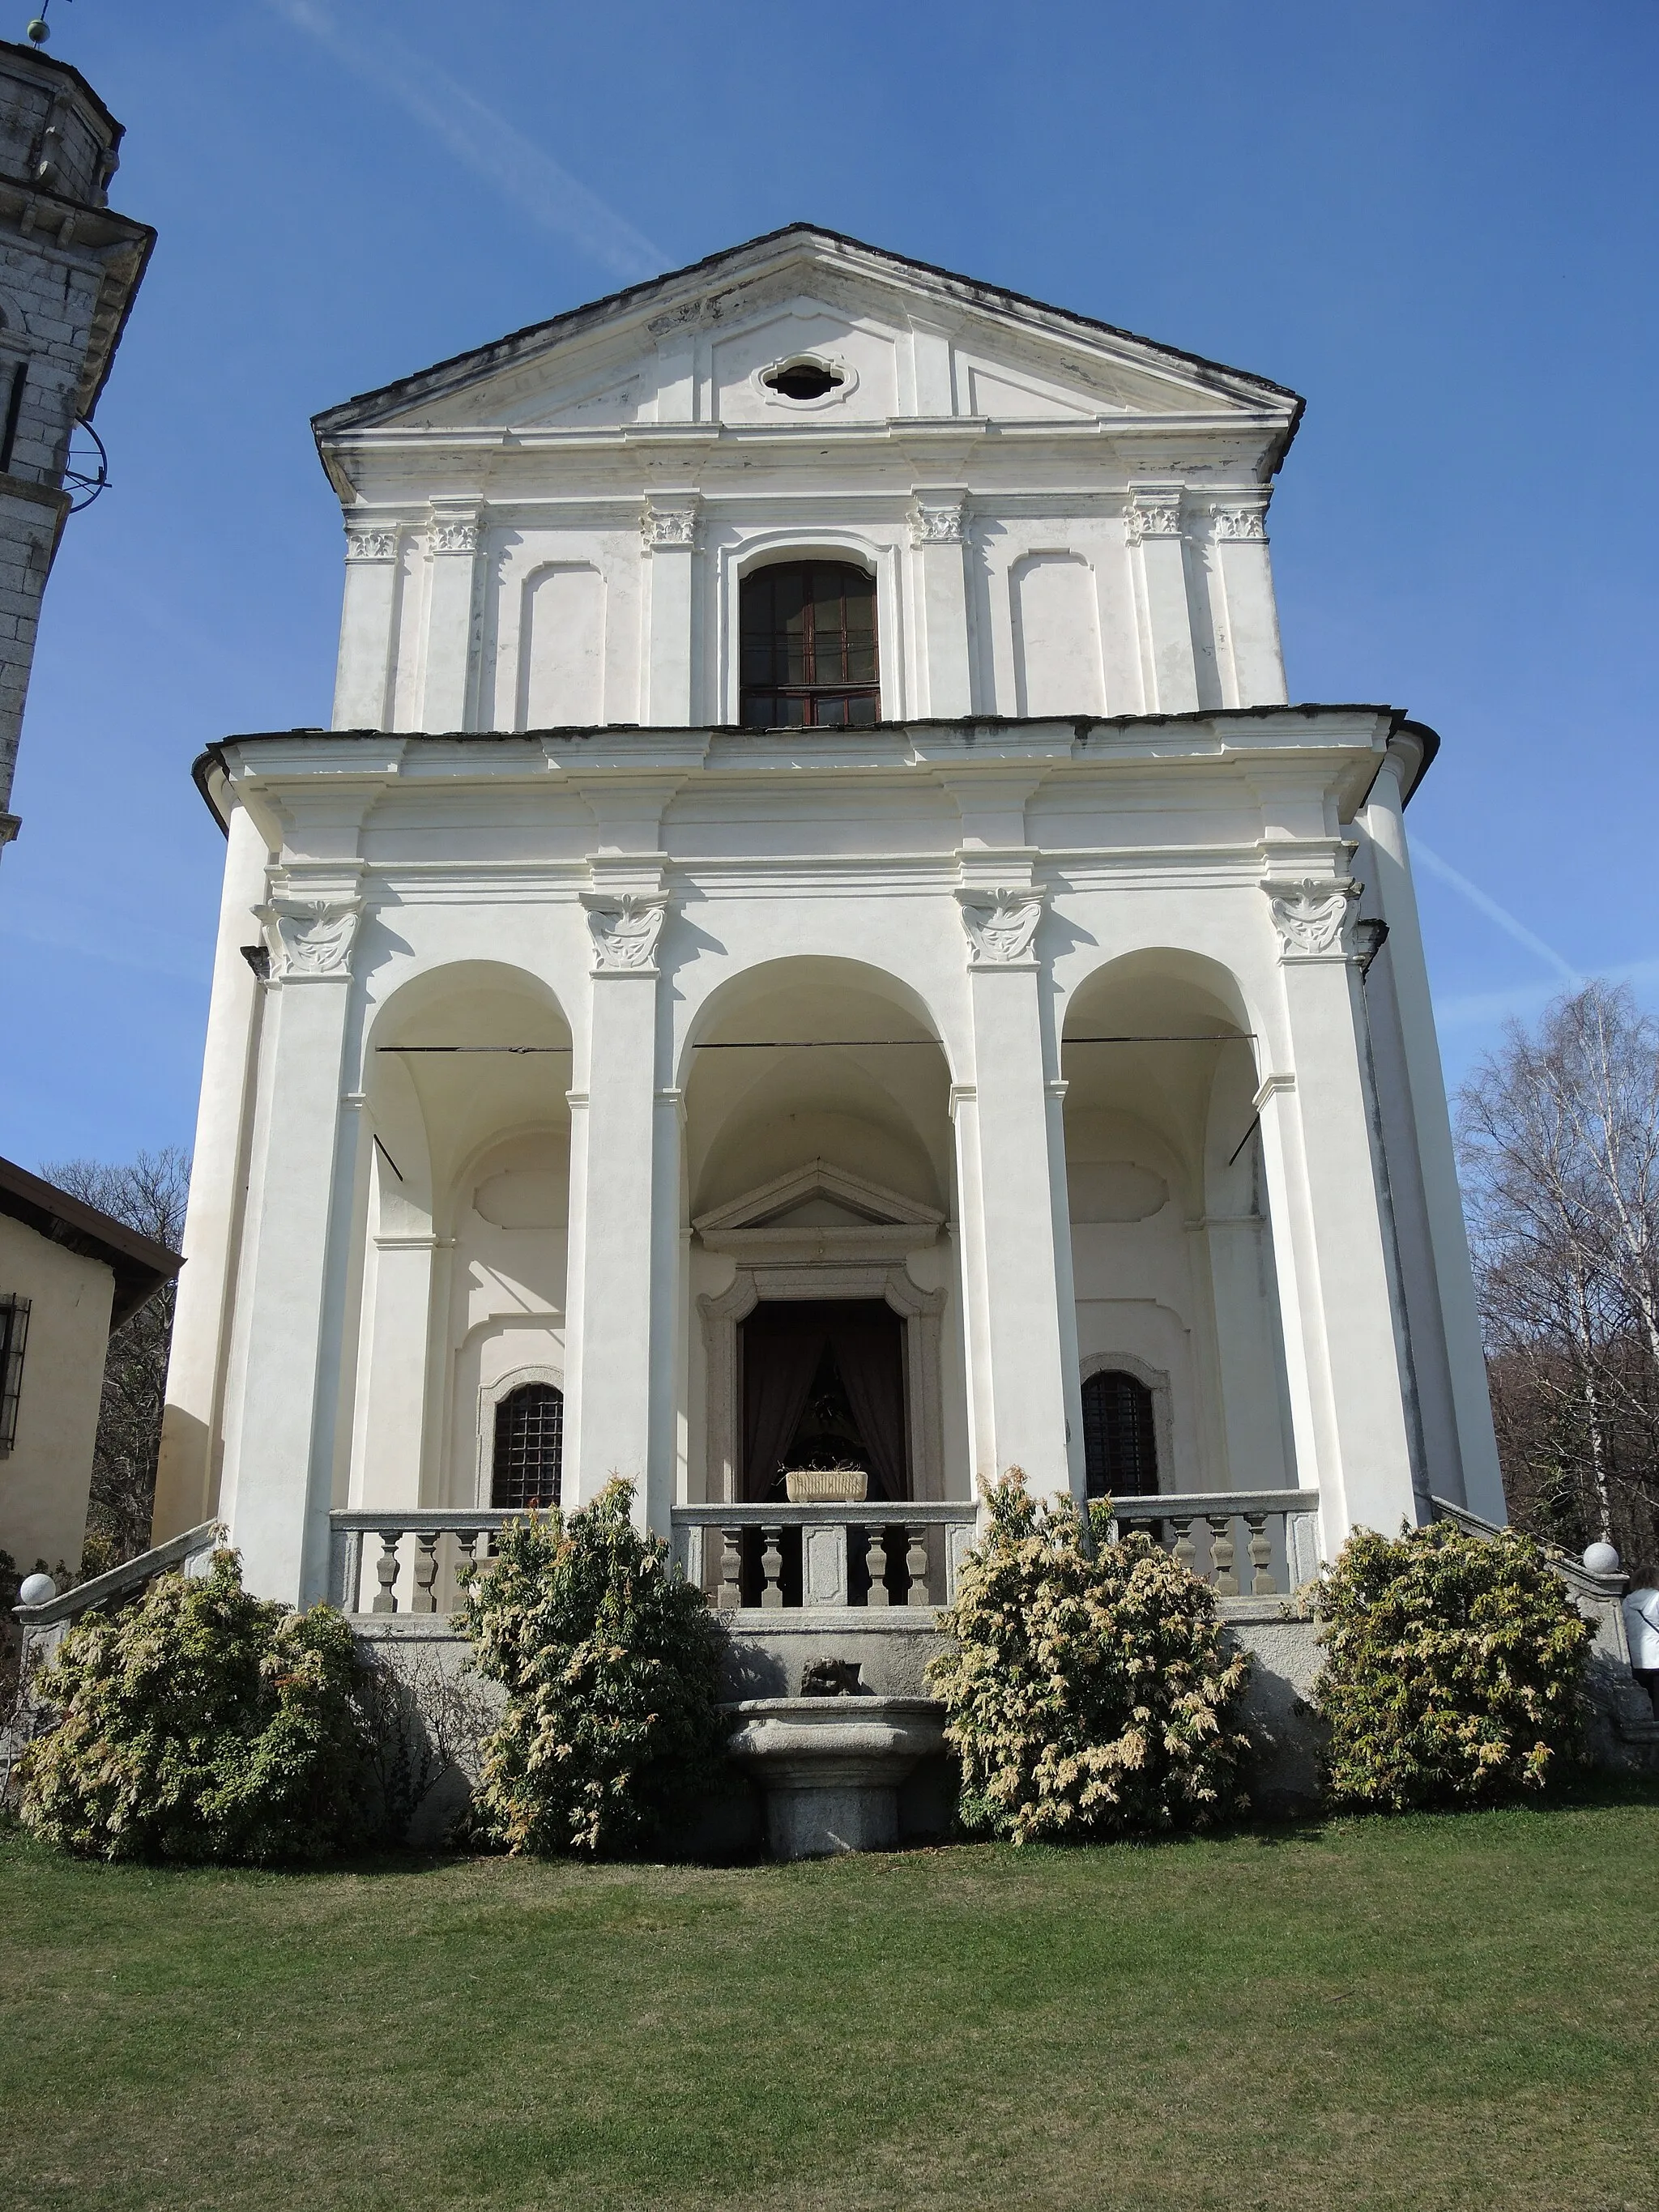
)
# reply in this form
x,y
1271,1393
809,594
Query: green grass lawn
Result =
x,y
1416,2014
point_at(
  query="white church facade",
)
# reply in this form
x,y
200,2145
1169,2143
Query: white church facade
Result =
x,y
815,938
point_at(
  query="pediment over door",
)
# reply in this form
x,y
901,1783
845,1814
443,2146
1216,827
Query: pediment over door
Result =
x,y
818,1212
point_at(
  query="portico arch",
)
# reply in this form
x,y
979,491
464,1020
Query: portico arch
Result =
x,y
1173,1258
464,1260
818,1168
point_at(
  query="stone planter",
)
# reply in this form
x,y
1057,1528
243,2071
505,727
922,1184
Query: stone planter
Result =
x,y
826,1485
830,1767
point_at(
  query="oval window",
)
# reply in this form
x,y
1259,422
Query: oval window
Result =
x,y
805,378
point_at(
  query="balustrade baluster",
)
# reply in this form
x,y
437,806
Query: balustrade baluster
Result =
x,y
1185,1551
426,1571
1220,1526
466,1543
731,1592
915,1563
385,1598
1261,1582
876,1560
771,1568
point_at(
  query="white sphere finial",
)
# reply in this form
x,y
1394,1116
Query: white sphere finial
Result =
x,y
36,1589
40,30
1601,1560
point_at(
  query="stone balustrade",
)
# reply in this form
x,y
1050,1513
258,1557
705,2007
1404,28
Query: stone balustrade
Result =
x,y
765,1558
907,1553
370,1547
1258,1543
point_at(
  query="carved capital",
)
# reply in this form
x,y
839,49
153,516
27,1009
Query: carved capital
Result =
x,y
1000,924
625,926
1311,915
938,521
311,936
1247,523
1154,514
669,525
371,544
455,537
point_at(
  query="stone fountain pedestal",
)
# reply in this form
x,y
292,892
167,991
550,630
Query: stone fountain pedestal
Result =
x,y
830,1767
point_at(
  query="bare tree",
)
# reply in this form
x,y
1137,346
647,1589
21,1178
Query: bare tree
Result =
x,y
148,1194
1558,1134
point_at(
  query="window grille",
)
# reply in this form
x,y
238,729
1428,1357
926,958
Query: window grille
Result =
x,y
14,1334
807,647
529,1453
1120,1450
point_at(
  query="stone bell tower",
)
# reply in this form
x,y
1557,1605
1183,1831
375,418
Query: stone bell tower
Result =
x,y
70,269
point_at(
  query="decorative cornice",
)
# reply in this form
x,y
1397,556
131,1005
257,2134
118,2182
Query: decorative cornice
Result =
x,y
1154,514
371,544
668,525
455,537
1311,915
311,938
625,926
1247,523
1000,924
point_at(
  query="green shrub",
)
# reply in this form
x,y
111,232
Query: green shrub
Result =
x,y
1453,1669
610,1660
1088,1693
200,1723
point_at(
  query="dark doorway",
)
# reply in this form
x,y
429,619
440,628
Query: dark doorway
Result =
x,y
823,1386
807,647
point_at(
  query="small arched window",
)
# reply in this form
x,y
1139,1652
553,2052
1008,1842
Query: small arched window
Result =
x,y
807,647
529,1453
1119,1450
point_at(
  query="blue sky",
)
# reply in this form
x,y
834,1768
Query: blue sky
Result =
x,y
1435,221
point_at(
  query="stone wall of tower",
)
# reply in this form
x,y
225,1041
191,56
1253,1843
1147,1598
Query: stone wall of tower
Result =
x,y
69,270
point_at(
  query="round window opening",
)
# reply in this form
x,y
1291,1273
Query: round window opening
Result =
x,y
804,380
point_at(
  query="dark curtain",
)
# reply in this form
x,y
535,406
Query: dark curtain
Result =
x,y
783,1345
870,1357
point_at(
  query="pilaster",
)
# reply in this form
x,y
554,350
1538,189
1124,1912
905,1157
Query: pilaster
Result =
x,y
1253,660
1348,1371
1460,1319
939,538
1153,524
284,1453
364,672
1015,1272
187,1473
453,615
668,538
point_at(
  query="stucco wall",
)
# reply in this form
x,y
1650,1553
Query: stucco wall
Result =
x,y
45,1479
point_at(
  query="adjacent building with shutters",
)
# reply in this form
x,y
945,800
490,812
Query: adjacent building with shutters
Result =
x,y
69,270
816,942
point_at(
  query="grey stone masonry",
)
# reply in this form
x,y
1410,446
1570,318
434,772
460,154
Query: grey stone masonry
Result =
x,y
70,269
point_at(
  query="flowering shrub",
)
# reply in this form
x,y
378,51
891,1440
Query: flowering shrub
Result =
x,y
200,1724
611,1662
1453,1668
1088,1693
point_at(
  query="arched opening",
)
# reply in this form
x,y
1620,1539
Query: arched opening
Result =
x,y
464,1268
1179,1339
807,647
528,1461
818,1157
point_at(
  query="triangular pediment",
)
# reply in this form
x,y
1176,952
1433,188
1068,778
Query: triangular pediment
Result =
x,y
909,341
819,1199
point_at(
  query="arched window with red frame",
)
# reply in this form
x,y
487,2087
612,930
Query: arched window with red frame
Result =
x,y
807,647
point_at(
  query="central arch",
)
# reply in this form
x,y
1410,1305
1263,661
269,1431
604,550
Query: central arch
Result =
x,y
819,1172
